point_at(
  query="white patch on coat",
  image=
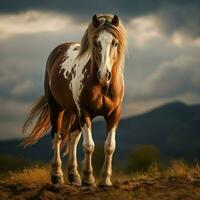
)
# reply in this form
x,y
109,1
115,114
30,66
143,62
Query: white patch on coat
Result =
x,y
57,163
110,142
88,149
87,137
109,148
105,38
76,82
72,143
71,61
69,57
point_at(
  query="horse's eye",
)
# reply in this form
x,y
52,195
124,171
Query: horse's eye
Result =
x,y
115,44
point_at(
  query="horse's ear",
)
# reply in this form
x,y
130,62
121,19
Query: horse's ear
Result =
x,y
115,20
95,21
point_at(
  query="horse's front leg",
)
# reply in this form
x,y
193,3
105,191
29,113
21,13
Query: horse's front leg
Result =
x,y
88,148
109,147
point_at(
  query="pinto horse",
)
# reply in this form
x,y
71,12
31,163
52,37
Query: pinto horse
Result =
x,y
82,81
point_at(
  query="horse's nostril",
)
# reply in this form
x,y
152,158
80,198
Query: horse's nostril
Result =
x,y
108,75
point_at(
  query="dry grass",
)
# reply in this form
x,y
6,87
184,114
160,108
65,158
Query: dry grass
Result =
x,y
178,168
41,175
30,177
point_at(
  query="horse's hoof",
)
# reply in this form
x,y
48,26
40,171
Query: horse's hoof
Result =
x,y
57,179
105,186
89,184
105,182
74,180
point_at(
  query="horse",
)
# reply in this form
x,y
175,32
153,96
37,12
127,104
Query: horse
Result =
x,y
82,80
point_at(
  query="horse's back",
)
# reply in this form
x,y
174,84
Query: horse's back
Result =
x,y
56,57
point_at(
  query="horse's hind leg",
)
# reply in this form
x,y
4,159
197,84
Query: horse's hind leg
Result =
x,y
73,174
56,121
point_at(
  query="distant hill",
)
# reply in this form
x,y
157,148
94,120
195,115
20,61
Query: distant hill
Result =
x,y
173,128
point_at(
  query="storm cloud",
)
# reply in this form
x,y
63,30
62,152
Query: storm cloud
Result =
x,y
182,15
172,79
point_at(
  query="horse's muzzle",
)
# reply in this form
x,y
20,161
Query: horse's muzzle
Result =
x,y
105,78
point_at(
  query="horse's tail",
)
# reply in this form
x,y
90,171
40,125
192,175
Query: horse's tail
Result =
x,y
40,113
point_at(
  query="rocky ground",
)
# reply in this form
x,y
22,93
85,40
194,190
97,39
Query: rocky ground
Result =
x,y
185,188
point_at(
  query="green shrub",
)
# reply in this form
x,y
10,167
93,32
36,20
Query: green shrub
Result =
x,y
142,158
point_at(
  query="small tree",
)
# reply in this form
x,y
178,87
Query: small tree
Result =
x,y
142,158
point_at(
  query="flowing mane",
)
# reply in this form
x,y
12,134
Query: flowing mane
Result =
x,y
118,32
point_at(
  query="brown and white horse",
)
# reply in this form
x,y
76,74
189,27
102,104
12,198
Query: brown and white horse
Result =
x,y
82,81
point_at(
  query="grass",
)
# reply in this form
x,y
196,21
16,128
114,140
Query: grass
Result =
x,y
176,168
29,177
179,168
40,175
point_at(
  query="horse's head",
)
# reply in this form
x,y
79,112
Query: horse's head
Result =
x,y
105,47
105,37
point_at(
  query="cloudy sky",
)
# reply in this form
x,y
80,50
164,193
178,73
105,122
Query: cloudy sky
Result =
x,y
162,62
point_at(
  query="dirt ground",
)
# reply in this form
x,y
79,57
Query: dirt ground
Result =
x,y
180,188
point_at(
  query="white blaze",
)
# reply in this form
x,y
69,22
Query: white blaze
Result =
x,y
105,39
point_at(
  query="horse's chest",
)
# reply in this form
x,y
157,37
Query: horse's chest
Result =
x,y
95,101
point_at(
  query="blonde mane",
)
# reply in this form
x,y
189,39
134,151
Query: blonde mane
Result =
x,y
118,32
